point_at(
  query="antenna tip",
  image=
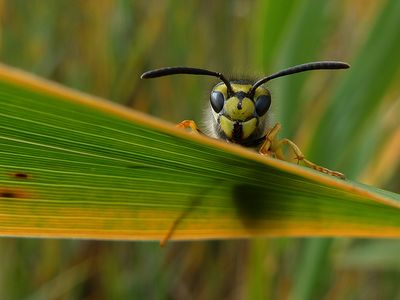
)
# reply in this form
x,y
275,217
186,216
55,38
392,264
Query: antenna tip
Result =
x,y
338,64
346,65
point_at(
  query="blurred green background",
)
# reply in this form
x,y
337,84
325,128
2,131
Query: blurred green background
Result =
x,y
346,120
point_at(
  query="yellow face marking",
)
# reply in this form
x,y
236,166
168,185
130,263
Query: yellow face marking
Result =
x,y
221,88
226,126
237,87
231,108
249,127
260,91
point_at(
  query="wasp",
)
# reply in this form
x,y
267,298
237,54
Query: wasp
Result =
x,y
239,111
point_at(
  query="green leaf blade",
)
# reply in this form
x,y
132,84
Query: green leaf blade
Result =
x,y
96,170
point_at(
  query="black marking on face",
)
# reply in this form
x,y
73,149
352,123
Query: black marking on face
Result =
x,y
241,95
237,131
254,142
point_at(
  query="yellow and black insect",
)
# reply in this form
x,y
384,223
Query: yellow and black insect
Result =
x,y
239,109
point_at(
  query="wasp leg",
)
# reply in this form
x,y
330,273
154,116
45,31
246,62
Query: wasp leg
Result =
x,y
189,124
270,137
274,148
300,157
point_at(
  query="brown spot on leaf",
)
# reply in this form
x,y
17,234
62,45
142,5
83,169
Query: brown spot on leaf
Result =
x,y
20,175
7,194
12,193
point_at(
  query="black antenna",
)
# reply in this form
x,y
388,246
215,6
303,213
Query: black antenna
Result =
x,y
320,65
185,70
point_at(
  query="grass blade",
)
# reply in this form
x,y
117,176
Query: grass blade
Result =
x,y
72,165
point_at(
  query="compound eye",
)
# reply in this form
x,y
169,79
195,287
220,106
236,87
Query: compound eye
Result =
x,y
263,103
217,101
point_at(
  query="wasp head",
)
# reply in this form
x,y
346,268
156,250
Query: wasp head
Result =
x,y
238,111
